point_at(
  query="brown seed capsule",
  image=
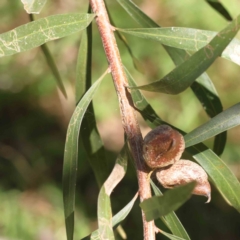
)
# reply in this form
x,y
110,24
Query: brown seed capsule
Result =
x,y
162,146
183,172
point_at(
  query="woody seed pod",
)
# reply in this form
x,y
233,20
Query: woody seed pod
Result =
x,y
162,146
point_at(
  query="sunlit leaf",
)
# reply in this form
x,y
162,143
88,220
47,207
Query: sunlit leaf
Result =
x,y
185,74
33,6
34,34
171,220
222,177
219,8
222,122
71,158
157,206
188,39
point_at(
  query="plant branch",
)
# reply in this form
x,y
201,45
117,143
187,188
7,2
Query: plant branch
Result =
x,y
129,120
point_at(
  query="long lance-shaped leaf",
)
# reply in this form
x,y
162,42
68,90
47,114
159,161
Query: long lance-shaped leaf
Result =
x,y
33,6
117,219
225,120
36,33
54,69
202,84
105,230
71,158
222,177
51,64
91,139
215,4
171,220
83,70
158,206
189,39
185,74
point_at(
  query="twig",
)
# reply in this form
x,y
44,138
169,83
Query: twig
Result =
x,y
129,120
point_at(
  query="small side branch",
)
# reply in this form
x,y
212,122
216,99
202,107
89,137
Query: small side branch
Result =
x,y
129,120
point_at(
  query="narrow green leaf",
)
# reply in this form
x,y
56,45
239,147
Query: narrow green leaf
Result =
x,y
71,158
52,65
222,177
222,122
171,220
36,33
54,69
33,6
157,206
104,204
81,68
185,74
188,39
104,216
215,4
91,139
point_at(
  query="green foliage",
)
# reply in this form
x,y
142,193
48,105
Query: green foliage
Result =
x,y
162,205
193,51
36,33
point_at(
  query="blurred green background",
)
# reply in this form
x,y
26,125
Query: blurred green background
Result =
x,y
34,118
